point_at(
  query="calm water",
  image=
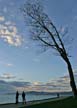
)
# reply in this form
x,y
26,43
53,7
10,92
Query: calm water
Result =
x,y
10,98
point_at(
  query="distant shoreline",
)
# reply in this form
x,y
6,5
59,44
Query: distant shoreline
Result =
x,y
38,92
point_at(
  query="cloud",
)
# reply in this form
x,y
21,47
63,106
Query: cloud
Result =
x,y
64,30
26,47
7,76
36,83
9,33
9,65
2,18
9,23
6,64
75,71
61,84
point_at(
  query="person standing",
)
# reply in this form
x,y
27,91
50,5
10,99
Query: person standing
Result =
x,y
23,97
17,96
58,95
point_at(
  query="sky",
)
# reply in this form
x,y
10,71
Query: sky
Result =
x,y
20,57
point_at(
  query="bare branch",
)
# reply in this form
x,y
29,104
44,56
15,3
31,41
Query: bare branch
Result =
x,y
46,33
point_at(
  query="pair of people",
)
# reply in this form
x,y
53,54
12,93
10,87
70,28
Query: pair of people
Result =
x,y
23,97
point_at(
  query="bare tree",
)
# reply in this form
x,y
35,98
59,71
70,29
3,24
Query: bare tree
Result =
x,y
45,32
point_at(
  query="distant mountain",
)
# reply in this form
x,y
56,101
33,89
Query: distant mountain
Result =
x,y
19,84
11,87
5,87
61,85
49,93
1,81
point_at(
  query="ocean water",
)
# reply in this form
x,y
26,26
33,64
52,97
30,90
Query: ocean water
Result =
x,y
10,98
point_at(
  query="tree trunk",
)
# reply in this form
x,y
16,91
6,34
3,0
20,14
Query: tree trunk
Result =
x,y
72,81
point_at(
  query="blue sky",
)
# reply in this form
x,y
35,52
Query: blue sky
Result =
x,y
19,58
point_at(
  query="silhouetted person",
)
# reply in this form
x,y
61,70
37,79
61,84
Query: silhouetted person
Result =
x,y
23,97
17,96
58,95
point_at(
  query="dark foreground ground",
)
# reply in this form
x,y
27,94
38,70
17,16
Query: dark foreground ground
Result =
x,y
69,102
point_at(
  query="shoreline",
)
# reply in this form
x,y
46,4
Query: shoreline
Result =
x,y
29,103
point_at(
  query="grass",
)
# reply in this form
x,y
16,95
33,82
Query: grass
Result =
x,y
70,102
